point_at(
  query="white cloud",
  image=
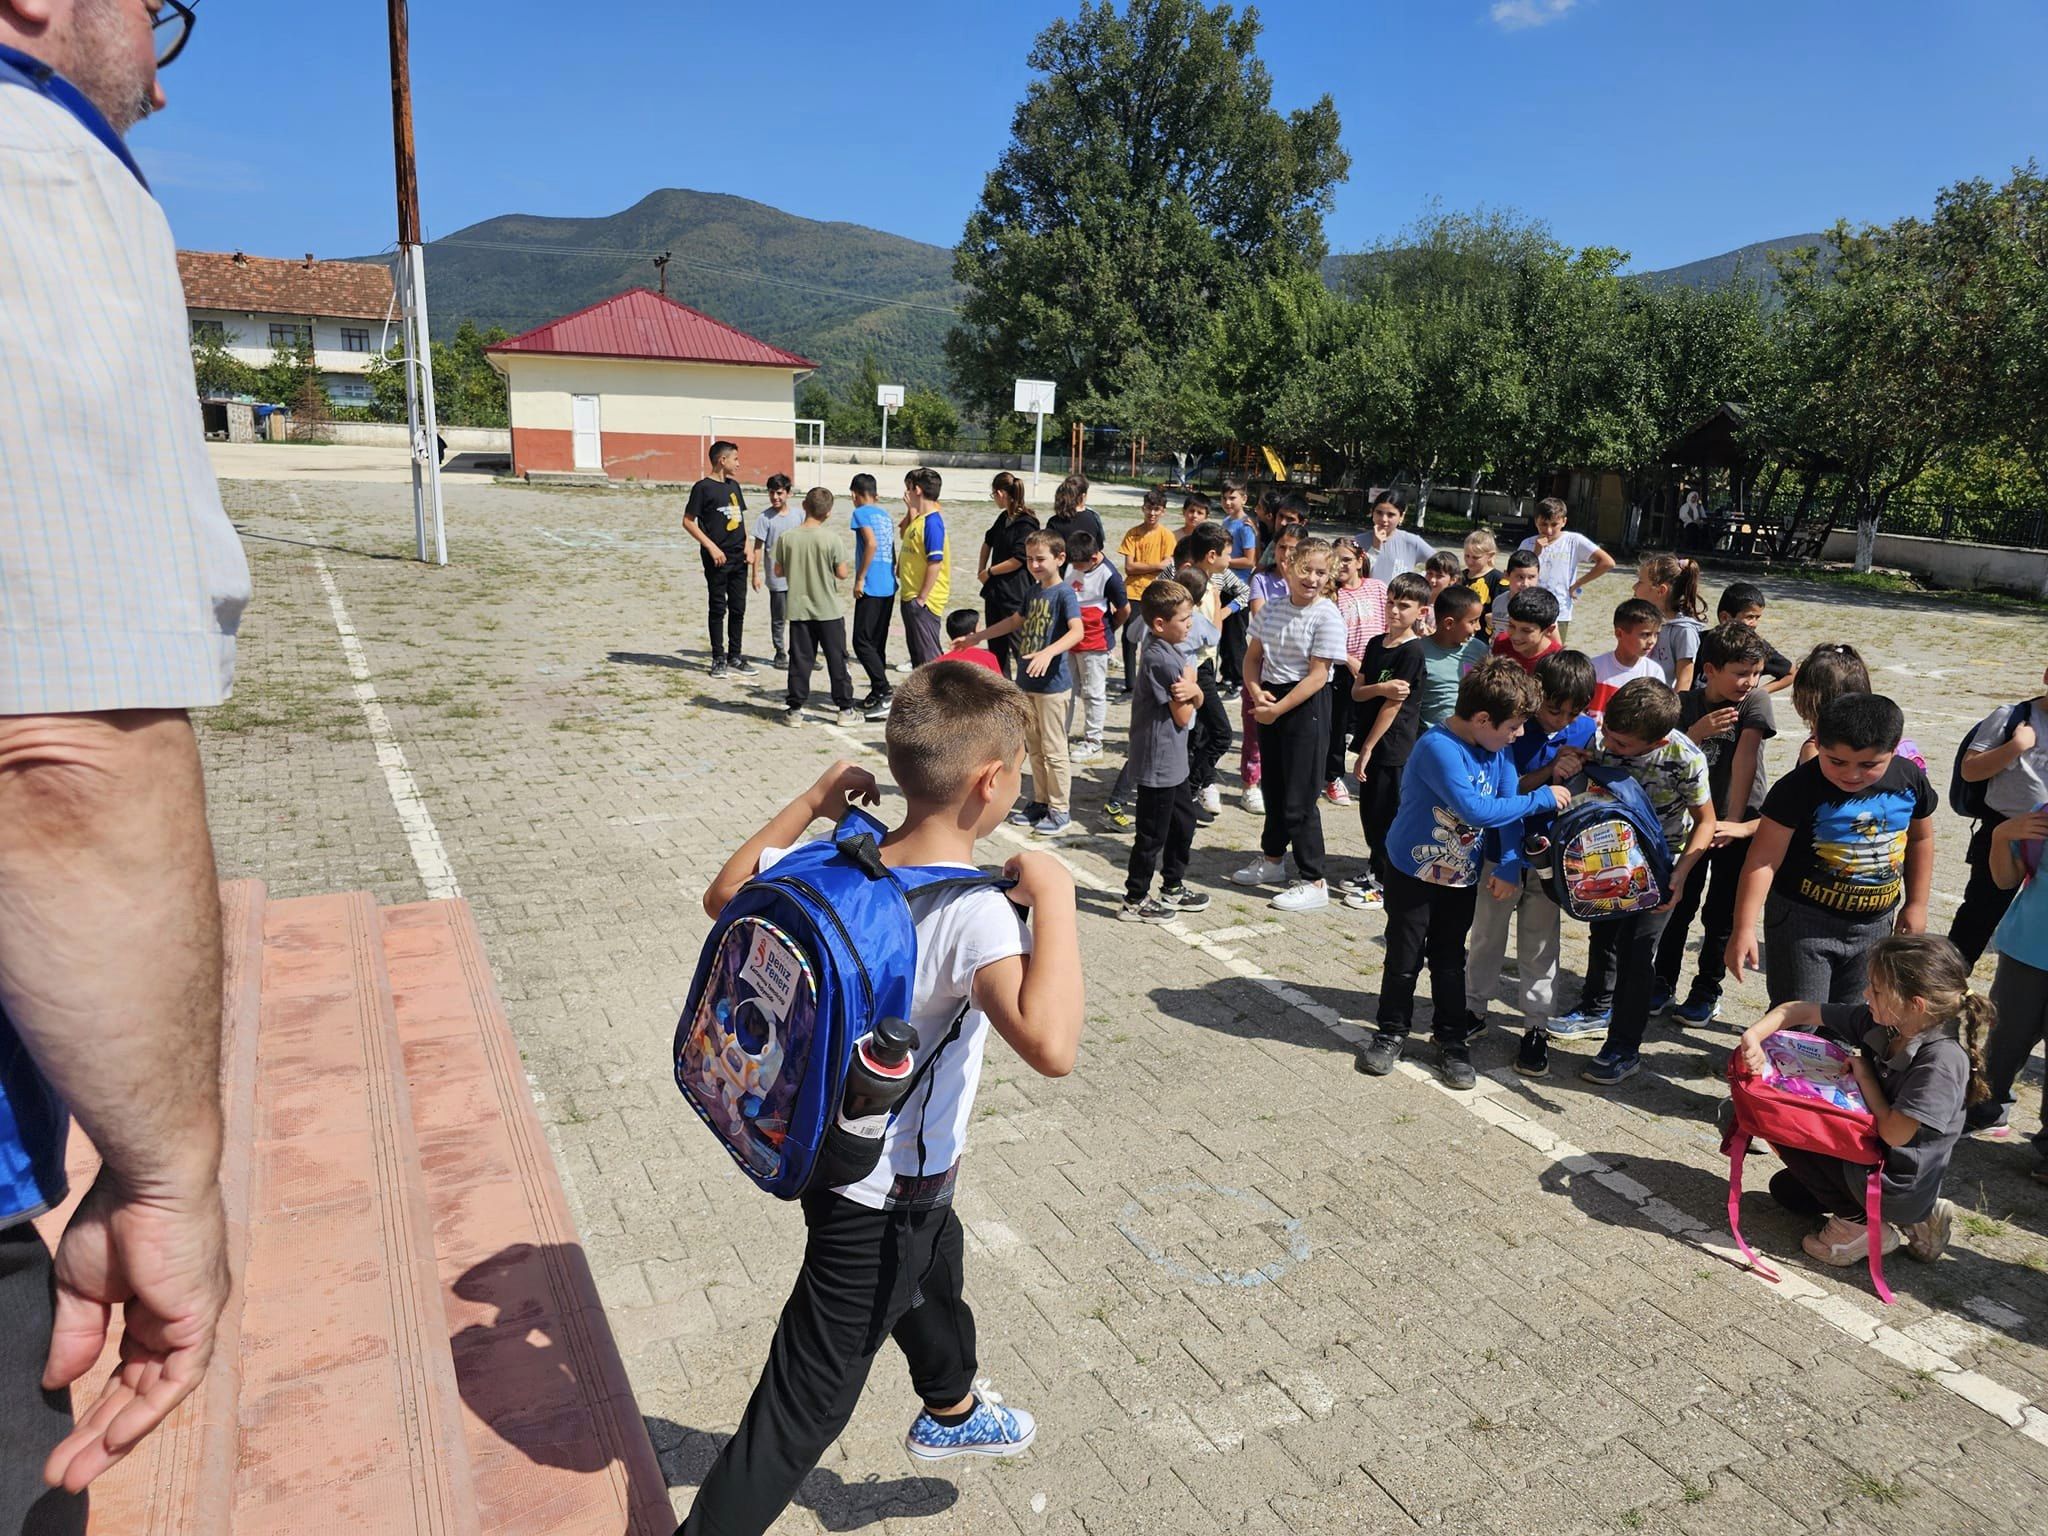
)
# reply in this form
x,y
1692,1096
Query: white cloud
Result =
x,y
1517,15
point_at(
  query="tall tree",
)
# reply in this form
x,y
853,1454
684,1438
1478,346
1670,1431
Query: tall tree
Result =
x,y
1148,179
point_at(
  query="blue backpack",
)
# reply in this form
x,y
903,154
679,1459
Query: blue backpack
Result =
x,y
802,962
1607,850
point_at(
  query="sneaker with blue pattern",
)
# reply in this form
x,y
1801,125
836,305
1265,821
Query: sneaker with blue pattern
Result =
x,y
991,1430
1608,1068
1700,1008
1579,1022
1661,995
1029,814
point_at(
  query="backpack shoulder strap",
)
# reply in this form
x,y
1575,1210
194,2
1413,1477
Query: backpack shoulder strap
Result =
x,y
1873,1219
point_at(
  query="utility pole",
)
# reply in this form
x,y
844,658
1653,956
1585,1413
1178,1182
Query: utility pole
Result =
x,y
422,427
661,269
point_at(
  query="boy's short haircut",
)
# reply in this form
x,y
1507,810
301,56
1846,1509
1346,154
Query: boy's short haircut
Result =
x,y
1454,600
1296,504
1408,588
1550,507
1206,539
962,622
1232,483
1443,563
1162,600
1741,596
1479,538
720,449
1082,545
950,719
817,503
862,485
927,482
1194,499
1567,678
1732,644
1862,722
1040,539
780,483
1154,497
1533,605
1499,689
1645,708
1524,560
1634,612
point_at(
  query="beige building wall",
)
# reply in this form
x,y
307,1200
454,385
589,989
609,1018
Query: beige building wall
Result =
x,y
651,397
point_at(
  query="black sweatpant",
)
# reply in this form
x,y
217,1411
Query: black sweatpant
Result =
x,y
871,617
1002,647
727,588
867,1276
1597,995
1291,749
1341,710
1983,902
1379,797
806,638
32,1421
1163,838
922,635
1429,922
1710,888
1632,940
1210,736
1237,629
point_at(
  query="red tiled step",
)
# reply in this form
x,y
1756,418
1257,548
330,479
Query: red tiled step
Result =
x,y
349,1417
181,1479
556,1442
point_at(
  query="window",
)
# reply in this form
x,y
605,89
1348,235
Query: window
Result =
x,y
209,333
293,336
353,340
350,391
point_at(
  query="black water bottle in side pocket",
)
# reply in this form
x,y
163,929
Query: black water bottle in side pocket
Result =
x,y
876,1079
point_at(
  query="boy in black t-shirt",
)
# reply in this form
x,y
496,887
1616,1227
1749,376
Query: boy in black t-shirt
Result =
x,y
716,517
1389,695
1846,840
1743,603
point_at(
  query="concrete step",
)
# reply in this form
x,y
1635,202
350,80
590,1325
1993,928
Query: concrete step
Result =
x,y
182,1477
555,1440
348,1410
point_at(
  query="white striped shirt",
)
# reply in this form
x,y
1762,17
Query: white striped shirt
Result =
x,y
1291,636
121,580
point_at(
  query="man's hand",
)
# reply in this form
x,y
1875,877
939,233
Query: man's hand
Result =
x,y
1912,918
755,580
1364,758
1040,877
1561,795
1712,724
1501,890
1569,764
163,1261
1037,663
716,555
1267,712
2023,734
1742,954
1726,832
1751,1050
844,785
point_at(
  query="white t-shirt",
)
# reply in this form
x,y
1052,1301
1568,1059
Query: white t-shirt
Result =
x,y
1291,636
1558,566
1403,551
957,934
2023,786
1677,641
1610,677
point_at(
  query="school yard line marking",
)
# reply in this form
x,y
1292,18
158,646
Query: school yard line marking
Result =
x,y
1921,1346
429,857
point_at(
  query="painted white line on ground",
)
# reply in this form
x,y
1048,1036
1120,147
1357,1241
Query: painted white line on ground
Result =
x,y
421,836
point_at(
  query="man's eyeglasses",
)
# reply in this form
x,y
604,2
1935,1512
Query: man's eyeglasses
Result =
x,y
173,30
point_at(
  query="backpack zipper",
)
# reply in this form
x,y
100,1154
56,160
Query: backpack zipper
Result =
x,y
805,888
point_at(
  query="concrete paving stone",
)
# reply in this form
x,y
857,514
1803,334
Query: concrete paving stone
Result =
x,y
1694,1447
1358,1504
1618,1477
1726,1503
1989,1483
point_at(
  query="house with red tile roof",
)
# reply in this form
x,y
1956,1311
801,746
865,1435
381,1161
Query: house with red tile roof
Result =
x,y
638,387
253,304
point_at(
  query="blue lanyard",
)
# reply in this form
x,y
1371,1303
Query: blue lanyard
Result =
x,y
17,68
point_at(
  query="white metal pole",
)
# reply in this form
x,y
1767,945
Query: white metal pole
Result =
x,y
412,399
1037,452
427,441
885,434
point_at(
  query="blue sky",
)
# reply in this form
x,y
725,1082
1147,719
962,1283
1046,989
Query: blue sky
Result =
x,y
1674,129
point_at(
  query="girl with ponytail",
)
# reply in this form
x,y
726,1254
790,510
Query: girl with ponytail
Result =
x,y
1673,584
1919,1042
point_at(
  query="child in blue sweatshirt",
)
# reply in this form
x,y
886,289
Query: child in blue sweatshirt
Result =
x,y
1458,783
1510,888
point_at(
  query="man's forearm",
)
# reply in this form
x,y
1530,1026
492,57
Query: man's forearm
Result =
x,y
110,945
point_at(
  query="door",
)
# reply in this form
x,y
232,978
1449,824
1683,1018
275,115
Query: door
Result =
x,y
589,448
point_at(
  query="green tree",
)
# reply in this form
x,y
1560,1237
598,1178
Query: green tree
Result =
x,y
1148,179
216,370
283,379
468,391
927,420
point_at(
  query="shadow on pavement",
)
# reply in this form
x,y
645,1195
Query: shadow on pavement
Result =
x,y
687,1454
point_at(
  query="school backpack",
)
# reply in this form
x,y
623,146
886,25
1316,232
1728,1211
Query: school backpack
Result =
x,y
1967,798
1775,1110
1608,857
801,963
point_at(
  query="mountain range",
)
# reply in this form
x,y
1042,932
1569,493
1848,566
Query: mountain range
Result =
x,y
830,291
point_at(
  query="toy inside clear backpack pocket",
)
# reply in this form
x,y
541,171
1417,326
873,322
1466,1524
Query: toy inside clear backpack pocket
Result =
x,y
757,1014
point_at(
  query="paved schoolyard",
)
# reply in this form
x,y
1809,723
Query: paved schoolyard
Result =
x,y
1243,1287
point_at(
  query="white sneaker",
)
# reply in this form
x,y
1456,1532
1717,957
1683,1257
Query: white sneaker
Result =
x,y
1336,793
1261,871
1255,799
1083,751
1212,800
1302,896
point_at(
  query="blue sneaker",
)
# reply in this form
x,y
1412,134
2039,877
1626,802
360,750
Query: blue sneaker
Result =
x,y
1700,1008
991,1430
1578,1023
1029,815
1053,824
1607,1070
1660,998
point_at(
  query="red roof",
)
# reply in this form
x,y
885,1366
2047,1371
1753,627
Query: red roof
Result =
x,y
641,324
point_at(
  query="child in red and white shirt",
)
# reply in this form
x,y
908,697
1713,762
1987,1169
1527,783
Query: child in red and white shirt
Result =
x,y
1104,607
1362,604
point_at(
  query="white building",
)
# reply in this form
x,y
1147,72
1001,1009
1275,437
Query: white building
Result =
x,y
252,303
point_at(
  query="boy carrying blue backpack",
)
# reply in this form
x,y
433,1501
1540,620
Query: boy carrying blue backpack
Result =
x,y
796,982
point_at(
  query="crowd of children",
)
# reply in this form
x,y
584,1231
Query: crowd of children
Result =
x,y
1473,729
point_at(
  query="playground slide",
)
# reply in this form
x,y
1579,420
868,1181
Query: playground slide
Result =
x,y
1273,463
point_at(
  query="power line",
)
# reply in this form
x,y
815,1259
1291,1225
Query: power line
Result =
x,y
701,266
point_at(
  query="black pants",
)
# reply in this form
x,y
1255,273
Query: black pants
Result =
x,y
1711,888
1340,725
1291,749
1379,797
871,617
921,633
1210,736
1427,922
867,1276
806,638
1130,649
1230,654
1597,995
1002,647
1983,902
727,585
1632,941
1164,836
32,1421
